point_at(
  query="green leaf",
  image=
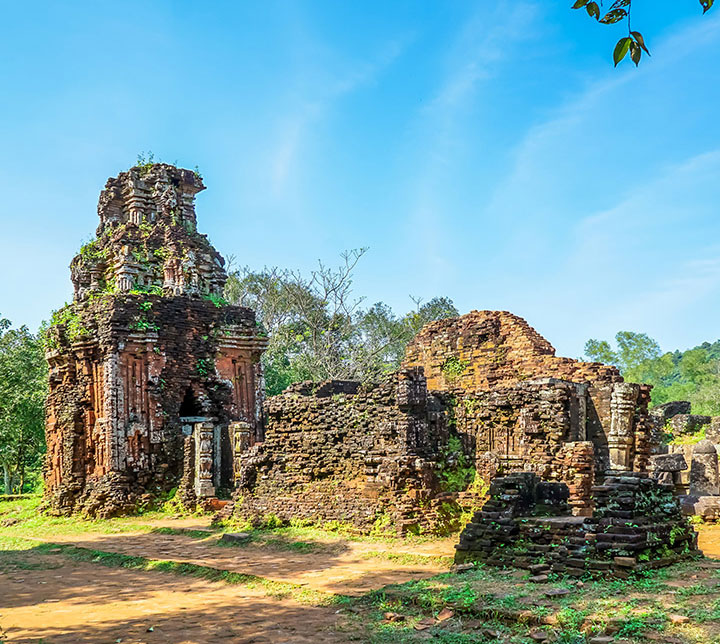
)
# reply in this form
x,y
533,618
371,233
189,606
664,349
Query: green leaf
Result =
x,y
640,40
613,16
580,4
593,10
635,53
621,49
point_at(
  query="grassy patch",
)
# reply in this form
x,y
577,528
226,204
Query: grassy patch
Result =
x,y
490,604
184,532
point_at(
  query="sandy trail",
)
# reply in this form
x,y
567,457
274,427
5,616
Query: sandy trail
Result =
x,y
339,566
67,602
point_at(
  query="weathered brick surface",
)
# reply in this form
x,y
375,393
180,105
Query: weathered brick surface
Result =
x,y
360,454
345,452
637,523
520,407
146,342
497,349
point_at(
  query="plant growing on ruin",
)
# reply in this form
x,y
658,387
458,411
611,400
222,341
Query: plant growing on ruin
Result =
x,y
140,289
67,318
141,323
457,471
90,252
218,300
453,368
204,366
145,163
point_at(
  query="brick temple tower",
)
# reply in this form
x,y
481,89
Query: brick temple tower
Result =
x,y
155,381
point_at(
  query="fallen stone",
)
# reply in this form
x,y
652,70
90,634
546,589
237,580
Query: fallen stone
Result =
x,y
539,579
557,592
625,562
236,537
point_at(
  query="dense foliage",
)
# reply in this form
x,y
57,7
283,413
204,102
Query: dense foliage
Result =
x,y
23,386
692,375
319,330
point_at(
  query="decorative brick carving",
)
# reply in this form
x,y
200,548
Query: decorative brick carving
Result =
x,y
147,356
519,407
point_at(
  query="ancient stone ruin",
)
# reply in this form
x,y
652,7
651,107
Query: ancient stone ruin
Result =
x,y
690,461
365,454
378,454
155,382
519,407
156,385
636,524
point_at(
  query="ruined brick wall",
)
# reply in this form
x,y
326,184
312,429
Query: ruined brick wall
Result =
x,y
488,349
519,407
359,454
146,351
636,524
536,425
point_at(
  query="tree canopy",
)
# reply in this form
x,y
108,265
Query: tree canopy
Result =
x,y
692,375
318,329
23,387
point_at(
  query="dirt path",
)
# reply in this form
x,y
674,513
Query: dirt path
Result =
x,y
60,601
334,566
57,600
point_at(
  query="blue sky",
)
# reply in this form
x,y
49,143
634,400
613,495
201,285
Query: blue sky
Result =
x,y
486,151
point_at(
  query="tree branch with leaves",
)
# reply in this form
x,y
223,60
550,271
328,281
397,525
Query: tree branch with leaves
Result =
x,y
619,11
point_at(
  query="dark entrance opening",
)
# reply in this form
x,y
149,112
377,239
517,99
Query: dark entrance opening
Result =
x,y
189,406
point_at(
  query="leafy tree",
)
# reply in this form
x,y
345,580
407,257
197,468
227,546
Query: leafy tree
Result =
x,y
23,387
632,350
619,11
692,375
317,328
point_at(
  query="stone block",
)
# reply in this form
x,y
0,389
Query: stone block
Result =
x,y
236,538
704,470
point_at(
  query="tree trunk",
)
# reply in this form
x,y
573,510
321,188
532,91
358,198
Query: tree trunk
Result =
x,y
6,477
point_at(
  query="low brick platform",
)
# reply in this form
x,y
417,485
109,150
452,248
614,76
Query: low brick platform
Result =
x,y
636,524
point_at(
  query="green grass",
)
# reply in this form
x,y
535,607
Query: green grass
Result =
x,y
32,522
634,609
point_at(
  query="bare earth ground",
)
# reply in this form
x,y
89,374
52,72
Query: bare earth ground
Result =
x,y
57,600
50,597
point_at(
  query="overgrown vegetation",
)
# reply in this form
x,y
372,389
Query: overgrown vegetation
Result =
x,y
318,328
692,375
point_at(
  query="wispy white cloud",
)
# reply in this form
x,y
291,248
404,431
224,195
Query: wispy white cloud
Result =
x,y
314,99
482,45
578,144
648,263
